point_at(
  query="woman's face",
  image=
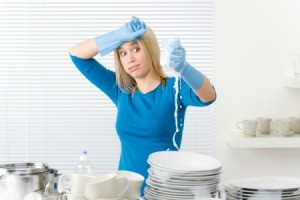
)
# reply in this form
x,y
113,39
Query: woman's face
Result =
x,y
133,60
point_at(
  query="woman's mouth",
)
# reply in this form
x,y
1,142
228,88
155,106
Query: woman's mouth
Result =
x,y
132,67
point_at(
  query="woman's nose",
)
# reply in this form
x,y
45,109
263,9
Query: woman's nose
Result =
x,y
131,57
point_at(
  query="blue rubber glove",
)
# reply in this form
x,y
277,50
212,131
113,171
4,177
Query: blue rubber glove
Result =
x,y
176,55
130,31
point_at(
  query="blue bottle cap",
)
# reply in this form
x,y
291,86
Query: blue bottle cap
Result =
x,y
84,152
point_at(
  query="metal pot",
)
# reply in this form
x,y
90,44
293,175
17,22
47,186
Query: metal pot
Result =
x,y
17,180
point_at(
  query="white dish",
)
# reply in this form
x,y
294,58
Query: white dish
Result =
x,y
234,197
265,183
155,195
245,190
168,191
154,191
196,176
183,186
282,192
162,195
181,182
164,170
167,187
262,196
158,169
184,161
261,193
181,175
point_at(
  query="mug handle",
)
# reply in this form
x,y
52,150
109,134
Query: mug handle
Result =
x,y
239,126
121,181
61,182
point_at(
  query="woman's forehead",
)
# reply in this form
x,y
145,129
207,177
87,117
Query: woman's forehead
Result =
x,y
128,45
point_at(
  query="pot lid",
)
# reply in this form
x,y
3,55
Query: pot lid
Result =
x,y
23,168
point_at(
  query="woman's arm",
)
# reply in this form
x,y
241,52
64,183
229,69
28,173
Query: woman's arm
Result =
x,y
206,92
195,79
85,50
82,56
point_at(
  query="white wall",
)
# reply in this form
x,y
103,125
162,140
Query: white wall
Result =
x,y
254,44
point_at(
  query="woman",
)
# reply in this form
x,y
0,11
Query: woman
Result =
x,y
143,95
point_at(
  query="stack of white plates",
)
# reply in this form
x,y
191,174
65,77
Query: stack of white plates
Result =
x,y
263,188
175,175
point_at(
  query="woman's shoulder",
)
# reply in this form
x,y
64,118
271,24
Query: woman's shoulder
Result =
x,y
170,81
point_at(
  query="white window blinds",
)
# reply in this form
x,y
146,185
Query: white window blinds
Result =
x,y
49,112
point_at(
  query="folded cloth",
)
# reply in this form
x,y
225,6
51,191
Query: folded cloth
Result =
x,y
174,57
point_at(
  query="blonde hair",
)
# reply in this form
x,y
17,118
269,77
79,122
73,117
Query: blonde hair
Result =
x,y
150,48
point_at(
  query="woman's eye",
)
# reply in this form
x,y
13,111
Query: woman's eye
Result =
x,y
136,50
122,54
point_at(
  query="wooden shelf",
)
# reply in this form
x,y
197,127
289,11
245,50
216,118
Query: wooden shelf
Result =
x,y
238,140
291,82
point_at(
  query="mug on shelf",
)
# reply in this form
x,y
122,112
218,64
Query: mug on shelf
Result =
x,y
294,124
263,125
248,126
280,127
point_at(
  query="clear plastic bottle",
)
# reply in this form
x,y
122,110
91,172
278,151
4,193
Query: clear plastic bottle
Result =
x,y
85,166
51,192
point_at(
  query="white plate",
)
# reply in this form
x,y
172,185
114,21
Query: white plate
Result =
x,y
251,191
265,183
174,176
262,197
154,193
153,197
182,182
180,185
168,191
160,169
184,161
199,188
160,195
261,193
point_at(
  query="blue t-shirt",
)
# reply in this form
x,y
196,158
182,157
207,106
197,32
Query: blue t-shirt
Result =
x,y
145,122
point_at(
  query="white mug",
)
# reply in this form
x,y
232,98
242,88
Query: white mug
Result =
x,y
135,182
248,126
294,124
106,186
280,126
76,181
263,125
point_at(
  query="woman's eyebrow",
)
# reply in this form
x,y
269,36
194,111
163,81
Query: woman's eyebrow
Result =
x,y
133,43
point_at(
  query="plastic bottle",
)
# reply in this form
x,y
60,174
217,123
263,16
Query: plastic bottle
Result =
x,y
51,192
84,166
